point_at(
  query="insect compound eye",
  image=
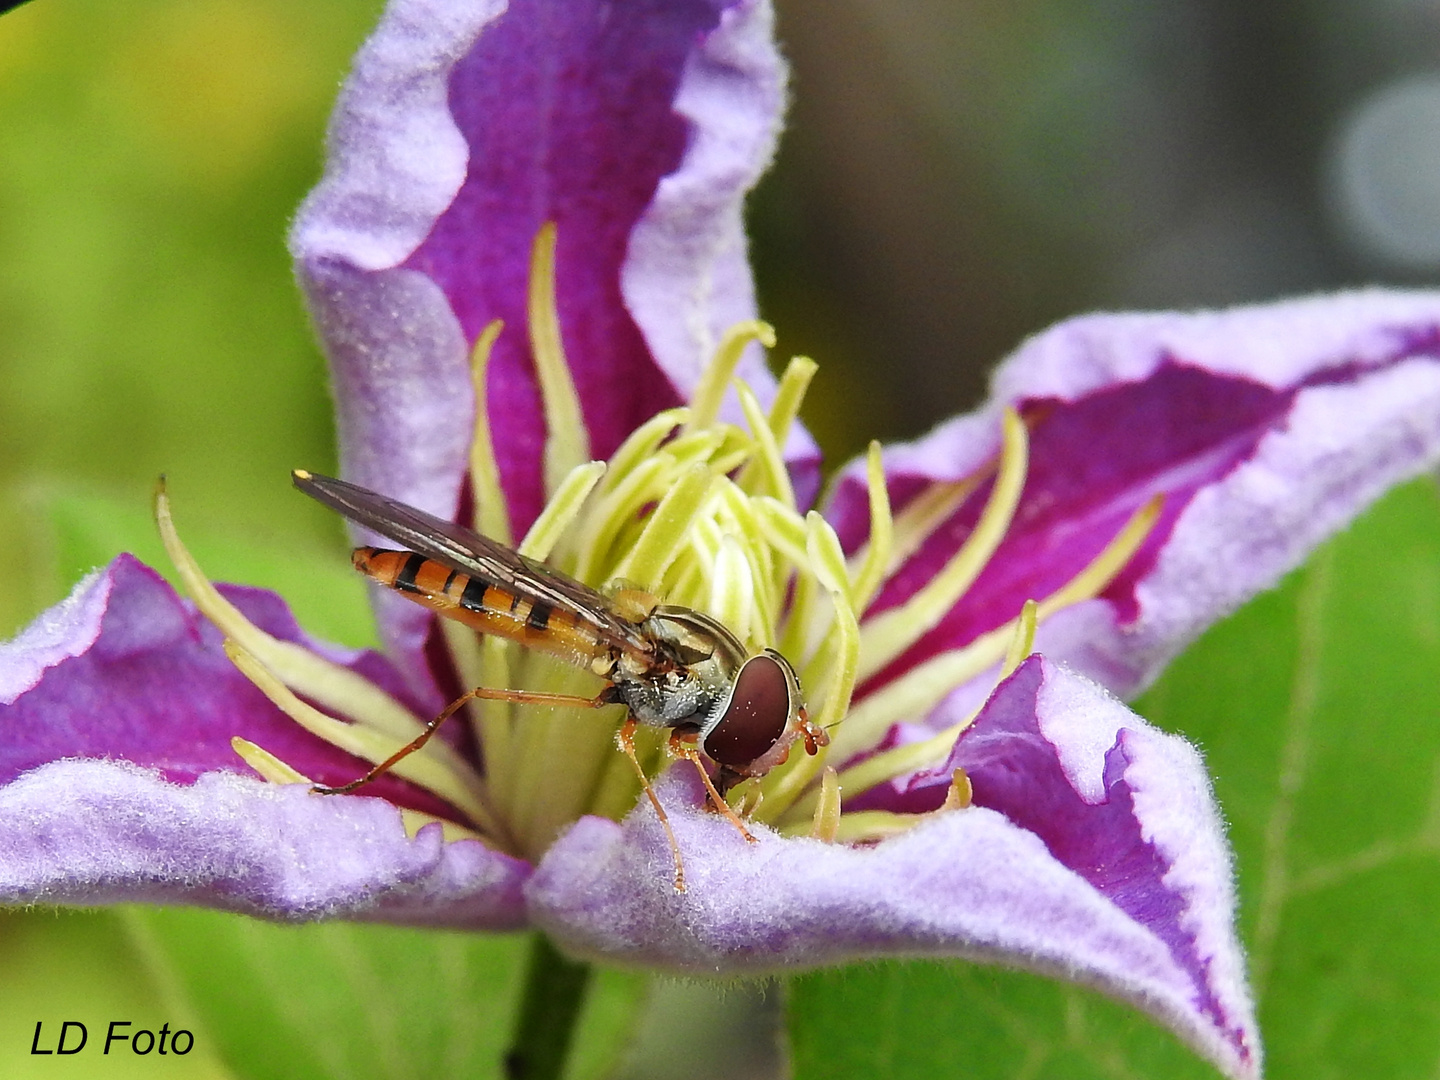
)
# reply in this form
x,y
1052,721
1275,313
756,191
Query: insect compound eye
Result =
x,y
756,715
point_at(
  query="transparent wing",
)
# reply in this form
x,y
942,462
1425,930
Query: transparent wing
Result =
x,y
472,554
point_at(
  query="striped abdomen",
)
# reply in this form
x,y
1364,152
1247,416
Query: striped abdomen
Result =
x,y
482,605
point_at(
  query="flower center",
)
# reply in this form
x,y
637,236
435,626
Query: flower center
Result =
x,y
698,512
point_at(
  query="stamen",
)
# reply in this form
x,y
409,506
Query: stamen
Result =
x,y
492,514
892,632
768,460
430,771
710,391
270,768
841,652
870,825
563,507
335,687
900,761
783,529
838,660
789,394
568,442
919,690
477,661
922,515
641,445
696,447
876,561
826,822
1096,576
961,793
616,511
1023,643
664,534
732,588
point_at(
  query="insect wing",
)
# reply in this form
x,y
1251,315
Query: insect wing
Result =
x,y
472,554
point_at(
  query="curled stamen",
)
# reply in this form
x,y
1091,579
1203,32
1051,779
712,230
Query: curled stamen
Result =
x,y
563,507
642,444
789,394
892,632
492,513
826,821
919,690
876,560
705,402
333,686
767,460
664,533
568,442
428,771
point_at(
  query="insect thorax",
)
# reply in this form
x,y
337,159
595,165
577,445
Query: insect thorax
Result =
x,y
697,660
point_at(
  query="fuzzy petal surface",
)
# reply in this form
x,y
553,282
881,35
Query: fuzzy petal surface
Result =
x,y
128,670
1265,428
1098,857
118,781
637,128
97,832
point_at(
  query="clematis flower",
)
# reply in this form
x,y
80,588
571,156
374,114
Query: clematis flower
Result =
x,y
963,614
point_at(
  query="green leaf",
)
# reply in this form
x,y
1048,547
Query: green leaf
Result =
x,y
79,966
338,999
364,1002
1318,708
1319,711
926,1019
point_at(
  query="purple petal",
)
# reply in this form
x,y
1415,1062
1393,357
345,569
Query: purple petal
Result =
x,y
132,672
1266,428
638,128
94,832
1125,806
972,884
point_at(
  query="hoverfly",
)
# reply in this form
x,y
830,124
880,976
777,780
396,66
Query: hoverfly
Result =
x,y
670,666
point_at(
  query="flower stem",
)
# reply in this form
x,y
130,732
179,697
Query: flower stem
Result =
x,y
554,995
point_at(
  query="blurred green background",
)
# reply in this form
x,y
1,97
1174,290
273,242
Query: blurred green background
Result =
x,y
151,155
957,175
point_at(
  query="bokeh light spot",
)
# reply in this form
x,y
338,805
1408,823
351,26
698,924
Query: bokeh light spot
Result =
x,y
1386,173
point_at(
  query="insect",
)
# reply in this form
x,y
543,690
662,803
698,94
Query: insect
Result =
x,y
670,666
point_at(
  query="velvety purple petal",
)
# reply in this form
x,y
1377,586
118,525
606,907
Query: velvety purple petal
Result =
x,y
144,679
968,884
66,630
687,278
1126,807
399,363
1266,429
574,111
449,151
96,832
404,410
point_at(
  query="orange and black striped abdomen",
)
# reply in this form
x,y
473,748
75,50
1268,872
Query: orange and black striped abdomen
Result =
x,y
482,605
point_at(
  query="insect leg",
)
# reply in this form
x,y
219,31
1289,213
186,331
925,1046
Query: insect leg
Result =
x,y
682,748
625,739
523,697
